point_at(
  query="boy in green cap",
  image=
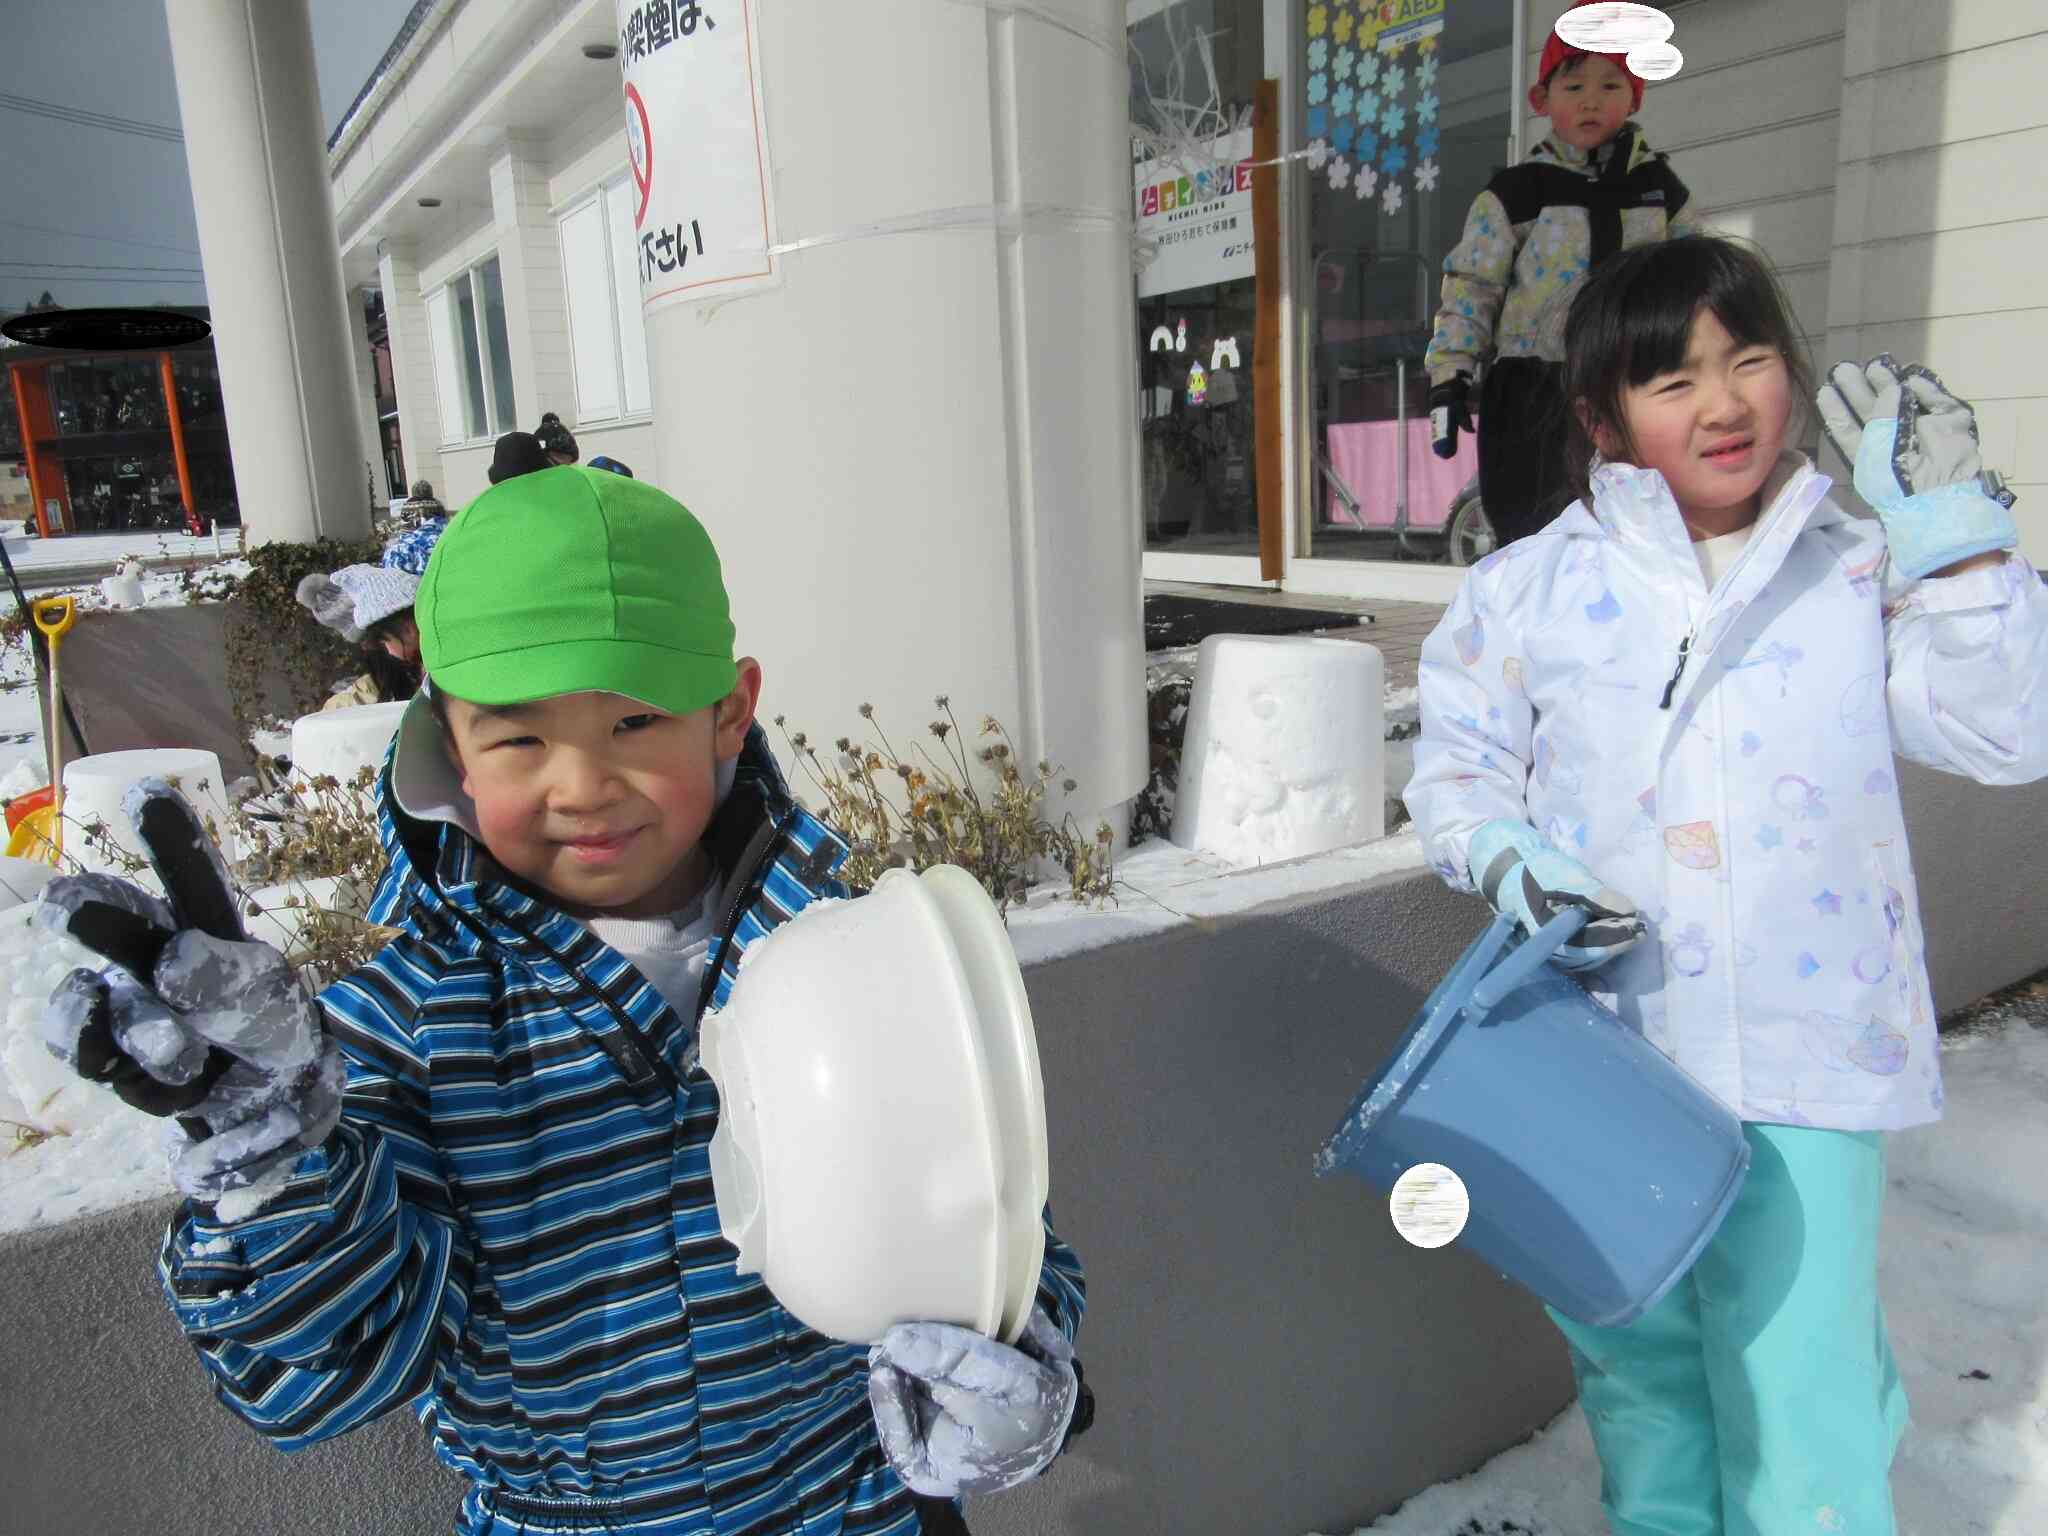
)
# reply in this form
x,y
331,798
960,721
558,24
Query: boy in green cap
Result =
x,y
472,1177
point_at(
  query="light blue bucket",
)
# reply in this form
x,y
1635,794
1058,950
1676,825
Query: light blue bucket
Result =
x,y
1597,1169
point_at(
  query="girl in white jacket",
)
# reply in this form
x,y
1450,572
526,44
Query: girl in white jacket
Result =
x,y
1694,683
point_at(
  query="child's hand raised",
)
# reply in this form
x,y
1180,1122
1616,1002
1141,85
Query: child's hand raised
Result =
x,y
191,1018
958,1413
1522,876
1914,448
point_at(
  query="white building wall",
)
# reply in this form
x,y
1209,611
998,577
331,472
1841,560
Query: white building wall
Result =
x,y
530,261
1941,224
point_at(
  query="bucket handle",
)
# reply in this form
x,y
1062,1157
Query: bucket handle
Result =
x,y
1525,959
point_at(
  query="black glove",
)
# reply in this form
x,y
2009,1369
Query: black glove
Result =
x,y
191,1018
1450,412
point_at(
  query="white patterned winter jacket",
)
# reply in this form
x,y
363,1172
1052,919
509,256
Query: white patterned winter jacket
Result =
x,y
1756,820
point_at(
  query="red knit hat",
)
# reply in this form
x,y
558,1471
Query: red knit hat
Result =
x,y
1556,51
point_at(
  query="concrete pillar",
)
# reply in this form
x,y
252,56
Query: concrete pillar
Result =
x,y
954,407
412,366
536,308
249,105
363,371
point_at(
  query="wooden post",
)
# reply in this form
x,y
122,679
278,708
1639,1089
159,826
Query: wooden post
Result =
x,y
1269,423
178,443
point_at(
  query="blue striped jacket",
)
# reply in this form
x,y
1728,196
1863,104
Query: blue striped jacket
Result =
x,y
513,1228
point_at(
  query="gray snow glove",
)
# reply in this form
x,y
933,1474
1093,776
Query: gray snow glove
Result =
x,y
1915,452
958,1413
1450,412
191,1018
1521,875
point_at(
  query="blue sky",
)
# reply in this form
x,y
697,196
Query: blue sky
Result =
x,y
84,208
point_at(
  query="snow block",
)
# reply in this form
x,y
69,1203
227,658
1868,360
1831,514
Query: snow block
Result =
x,y
1284,754
93,787
342,741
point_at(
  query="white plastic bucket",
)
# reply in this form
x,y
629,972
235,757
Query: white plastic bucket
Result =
x,y
881,1153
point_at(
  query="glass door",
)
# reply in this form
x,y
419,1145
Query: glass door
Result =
x,y
1195,65
1405,112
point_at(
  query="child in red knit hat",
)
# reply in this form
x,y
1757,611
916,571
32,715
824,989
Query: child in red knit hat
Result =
x,y
1591,188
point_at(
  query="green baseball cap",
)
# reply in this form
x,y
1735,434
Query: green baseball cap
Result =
x,y
573,579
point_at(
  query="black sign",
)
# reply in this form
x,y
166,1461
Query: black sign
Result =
x,y
106,330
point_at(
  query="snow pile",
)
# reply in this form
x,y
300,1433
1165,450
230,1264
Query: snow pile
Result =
x,y
100,1154
1965,1246
1284,753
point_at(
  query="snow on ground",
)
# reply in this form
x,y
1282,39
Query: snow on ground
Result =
x,y
1964,1252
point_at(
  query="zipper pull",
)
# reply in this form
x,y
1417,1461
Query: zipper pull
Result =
x,y
1684,648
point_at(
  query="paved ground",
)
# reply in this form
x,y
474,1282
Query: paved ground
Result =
x,y
1397,629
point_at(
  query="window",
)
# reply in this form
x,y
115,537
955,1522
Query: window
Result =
x,y
601,275
472,354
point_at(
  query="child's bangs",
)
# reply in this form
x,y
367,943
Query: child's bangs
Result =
x,y
1698,274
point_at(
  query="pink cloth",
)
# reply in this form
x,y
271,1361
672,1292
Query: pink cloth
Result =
x,y
1363,454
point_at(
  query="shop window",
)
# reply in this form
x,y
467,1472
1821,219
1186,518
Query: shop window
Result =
x,y
472,354
600,273
1196,289
1407,111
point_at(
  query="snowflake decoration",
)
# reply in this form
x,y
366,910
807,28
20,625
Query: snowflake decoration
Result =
x,y
1391,198
1426,142
1392,121
1368,182
1340,174
1368,68
1344,100
1346,62
1318,89
1368,106
1395,80
1368,144
1342,138
1318,152
1318,20
1425,74
1426,46
1318,122
1395,160
1425,176
1318,53
1342,30
1425,108
1394,48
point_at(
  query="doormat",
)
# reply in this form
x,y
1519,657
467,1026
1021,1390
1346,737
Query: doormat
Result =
x,y
1172,621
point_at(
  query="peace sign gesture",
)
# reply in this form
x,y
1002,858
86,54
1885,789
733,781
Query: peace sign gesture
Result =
x,y
190,1017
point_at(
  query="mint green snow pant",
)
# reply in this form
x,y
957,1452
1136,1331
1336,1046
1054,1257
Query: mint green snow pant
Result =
x,y
1759,1397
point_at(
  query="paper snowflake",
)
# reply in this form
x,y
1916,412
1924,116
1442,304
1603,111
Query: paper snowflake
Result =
x,y
1368,144
1392,121
1395,160
1318,20
1395,81
1426,46
1426,141
1318,89
1391,198
1342,30
1368,182
1368,106
1318,53
1346,62
1425,176
1318,122
1342,138
1425,74
1368,68
1340,174
1344,100
1425,107
1318,152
